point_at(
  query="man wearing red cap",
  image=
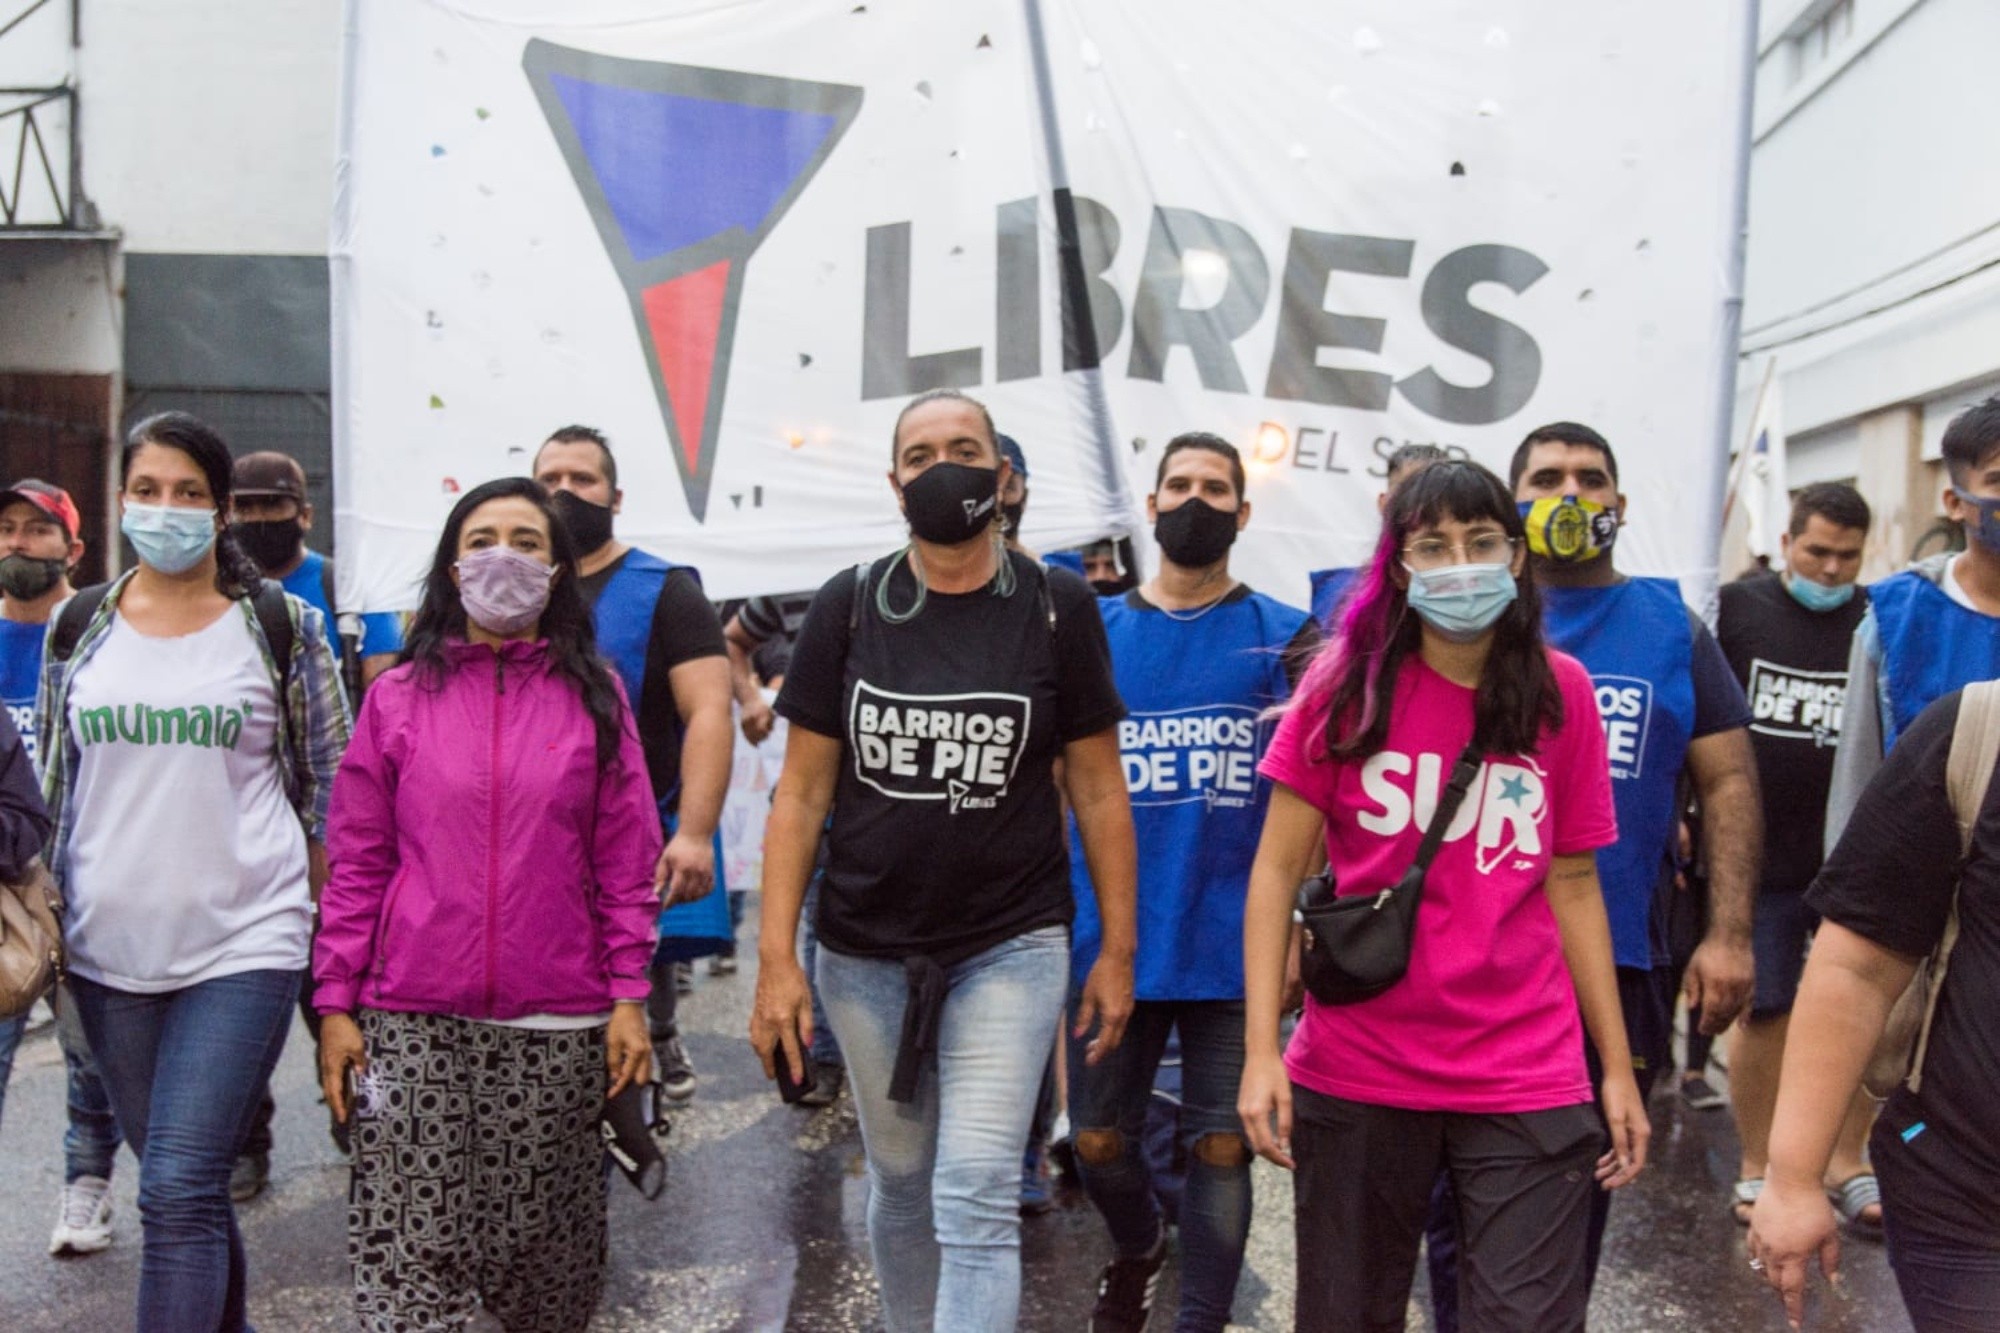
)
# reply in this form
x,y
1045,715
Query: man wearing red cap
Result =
x,y
39,547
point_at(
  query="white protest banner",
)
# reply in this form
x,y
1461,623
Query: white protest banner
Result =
x,y
737,237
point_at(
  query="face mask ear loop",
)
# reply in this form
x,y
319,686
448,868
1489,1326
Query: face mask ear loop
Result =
x,y
1003,577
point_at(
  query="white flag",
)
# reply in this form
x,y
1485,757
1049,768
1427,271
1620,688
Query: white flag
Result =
x,y
1767,502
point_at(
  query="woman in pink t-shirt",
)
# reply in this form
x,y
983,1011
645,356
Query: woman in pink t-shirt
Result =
x,y
1473,1063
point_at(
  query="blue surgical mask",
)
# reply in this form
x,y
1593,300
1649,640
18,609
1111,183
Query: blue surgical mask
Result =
x,y
1461,602
1986,528
170,538
1818,596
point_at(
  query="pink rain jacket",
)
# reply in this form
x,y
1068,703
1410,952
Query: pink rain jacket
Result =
x,y
483,865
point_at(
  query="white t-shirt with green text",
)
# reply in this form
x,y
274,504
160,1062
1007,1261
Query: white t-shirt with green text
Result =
x,y
186,861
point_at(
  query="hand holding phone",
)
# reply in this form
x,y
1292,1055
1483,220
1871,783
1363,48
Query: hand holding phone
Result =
x,y
790,1089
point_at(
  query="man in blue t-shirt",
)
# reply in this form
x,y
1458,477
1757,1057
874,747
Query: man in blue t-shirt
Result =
x,y
1932,628
1199,659
39,548
270,516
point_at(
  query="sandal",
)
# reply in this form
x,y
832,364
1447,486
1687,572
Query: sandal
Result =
x,y
1854,1196
1743,1198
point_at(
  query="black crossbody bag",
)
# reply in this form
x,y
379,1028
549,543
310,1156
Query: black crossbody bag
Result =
x,y
1356,947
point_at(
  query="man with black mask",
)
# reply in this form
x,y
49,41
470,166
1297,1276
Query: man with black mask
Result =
x,y
270,515
658,631
1199,659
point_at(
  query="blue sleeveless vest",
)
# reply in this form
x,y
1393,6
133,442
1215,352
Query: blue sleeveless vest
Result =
x,y
1328,587
1196,690
1635,641
624,619
1930,646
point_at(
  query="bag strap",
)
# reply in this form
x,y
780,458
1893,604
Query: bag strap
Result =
x,y
1462,775
275,618
75,617
1968,772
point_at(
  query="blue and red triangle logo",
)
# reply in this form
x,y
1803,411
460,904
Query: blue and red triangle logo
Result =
x,y
685,171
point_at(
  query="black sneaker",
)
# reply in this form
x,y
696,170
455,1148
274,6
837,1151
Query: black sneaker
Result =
x,y
1125,1292
676,1071
1701,1095
248,1177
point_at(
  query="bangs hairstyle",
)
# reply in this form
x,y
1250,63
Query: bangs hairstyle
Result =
x,y
1375,631
566,622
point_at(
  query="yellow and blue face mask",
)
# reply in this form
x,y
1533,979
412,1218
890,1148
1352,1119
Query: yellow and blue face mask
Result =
x,y
1569,529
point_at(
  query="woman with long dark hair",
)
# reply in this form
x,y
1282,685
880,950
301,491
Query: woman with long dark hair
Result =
x,y
1472,1063
481,963
190,720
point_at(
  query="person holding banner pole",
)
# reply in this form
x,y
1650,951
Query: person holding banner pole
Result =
x,y
663,639
930,694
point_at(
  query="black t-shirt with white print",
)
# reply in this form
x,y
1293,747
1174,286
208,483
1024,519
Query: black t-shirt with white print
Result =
x,y
947,834
1890,879
1792,664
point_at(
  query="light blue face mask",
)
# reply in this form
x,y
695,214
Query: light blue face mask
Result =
x,y
1461,602
170,538
1818,596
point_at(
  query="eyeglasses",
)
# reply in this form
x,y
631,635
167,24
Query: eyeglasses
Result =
x,y
1492,548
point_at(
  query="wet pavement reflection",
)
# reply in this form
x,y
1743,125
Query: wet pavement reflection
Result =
x,y
762,1223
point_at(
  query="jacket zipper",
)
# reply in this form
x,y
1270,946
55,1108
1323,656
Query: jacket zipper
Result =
x,y
493,842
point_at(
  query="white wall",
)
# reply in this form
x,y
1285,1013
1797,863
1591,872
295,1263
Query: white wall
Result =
x,y
64,315
209,124
1871,180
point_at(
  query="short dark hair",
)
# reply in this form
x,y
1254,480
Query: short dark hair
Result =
x,y
1972,437
943,396
1835,501
1409,457
1209,442
585,435
1561,432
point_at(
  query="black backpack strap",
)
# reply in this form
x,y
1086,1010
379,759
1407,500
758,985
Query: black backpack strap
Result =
x,y
75,618
275,618
860,600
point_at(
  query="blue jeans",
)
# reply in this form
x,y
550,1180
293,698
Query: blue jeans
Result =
x,y
90,1143
825,1046
10,1040
185,1069
1108,1110
1947,1286
944,1171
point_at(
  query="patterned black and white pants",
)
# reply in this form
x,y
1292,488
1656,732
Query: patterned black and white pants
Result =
x,y
478,1176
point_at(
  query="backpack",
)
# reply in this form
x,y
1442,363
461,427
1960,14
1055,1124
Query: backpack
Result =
x,y
1975,749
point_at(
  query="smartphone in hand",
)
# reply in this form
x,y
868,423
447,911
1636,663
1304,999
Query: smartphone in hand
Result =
x,y
791,1091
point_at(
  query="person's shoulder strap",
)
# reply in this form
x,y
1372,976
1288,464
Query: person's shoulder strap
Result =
x,y
1463,773
326,588
75,617
1975,749
1968,772
860,598
275,618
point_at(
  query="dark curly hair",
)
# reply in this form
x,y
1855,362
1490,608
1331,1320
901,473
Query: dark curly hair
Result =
x,y
566,622
236,574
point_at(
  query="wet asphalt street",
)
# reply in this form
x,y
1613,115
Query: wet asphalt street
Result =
x,y
761,1224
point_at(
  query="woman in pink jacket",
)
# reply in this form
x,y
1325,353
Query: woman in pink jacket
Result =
x,y
483,940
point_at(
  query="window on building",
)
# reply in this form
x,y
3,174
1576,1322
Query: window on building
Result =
x,y
1820,35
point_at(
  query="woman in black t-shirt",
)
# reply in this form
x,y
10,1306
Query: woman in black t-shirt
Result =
x,y
930,695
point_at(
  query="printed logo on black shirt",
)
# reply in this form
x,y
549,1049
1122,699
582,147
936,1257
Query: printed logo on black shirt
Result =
x,y
1796,705
960,748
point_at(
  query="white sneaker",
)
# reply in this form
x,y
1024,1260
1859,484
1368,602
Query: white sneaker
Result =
x,y
83,1217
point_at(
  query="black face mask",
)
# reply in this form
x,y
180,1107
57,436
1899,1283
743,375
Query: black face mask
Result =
x,y
1112,587
1196,534
26,577
949,503
1010,517
273,544
589,524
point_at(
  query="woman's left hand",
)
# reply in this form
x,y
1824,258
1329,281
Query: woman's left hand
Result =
x,y
1107,997
1625,1113
628,1047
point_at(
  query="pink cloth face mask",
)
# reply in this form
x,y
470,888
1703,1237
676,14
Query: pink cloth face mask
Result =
x,y
503,591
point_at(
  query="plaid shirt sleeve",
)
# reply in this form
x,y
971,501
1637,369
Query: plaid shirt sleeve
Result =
x,y
318,723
